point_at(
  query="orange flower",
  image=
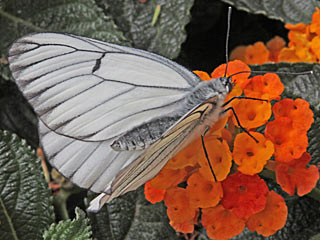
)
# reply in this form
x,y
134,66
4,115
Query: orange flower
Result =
x,y
257,53
234,67
268,87
227,136
221,223
315,46
203,75
220,158
298,38
288,55
186,157
251,113
297,110
295,175
244,195
301,45
250,155
186,227
289,142
152,194
315,25
275,45
167,178
179,209
202,192
238,53
272,218
217,128
299,27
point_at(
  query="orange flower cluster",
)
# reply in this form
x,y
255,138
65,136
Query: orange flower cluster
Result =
x,y
303,46
239,198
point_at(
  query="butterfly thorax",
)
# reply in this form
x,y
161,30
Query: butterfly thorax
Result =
x,y
216,88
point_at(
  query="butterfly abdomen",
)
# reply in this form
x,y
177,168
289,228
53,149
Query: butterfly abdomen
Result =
x,y
144,135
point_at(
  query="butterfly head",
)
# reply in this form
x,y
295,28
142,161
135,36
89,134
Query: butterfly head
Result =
x,y
227,82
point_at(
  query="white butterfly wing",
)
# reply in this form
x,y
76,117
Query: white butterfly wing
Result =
x,y
91,165
86,93
92,90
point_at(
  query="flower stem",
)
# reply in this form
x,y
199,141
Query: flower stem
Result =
x,y
13,231
19,20
60,203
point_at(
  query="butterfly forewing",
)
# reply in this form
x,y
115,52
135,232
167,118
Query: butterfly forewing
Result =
x,y
91,90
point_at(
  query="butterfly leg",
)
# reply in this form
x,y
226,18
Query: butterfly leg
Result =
x,y
206,153
243,97
237,119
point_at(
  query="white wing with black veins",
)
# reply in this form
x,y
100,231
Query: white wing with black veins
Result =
x,y
87,92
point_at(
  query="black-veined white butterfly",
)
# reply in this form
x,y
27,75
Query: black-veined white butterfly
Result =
x,y
110,117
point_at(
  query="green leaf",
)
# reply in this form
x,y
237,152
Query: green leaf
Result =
x,y
315,237
314,141
135,19
16,115
82,17
26,205
77,229
132,217
288,11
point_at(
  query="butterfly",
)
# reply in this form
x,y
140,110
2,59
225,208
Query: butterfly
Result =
x,y
110,117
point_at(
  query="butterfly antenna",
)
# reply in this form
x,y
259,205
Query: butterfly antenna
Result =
x,y
284,73
227,40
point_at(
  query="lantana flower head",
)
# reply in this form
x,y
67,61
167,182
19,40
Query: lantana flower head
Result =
x,y
221,180
303,46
